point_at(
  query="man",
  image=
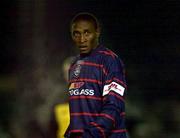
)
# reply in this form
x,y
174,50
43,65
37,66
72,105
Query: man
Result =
x,y
96,85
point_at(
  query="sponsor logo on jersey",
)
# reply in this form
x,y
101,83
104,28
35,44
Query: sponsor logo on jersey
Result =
x,y
113,86
76,85
81,92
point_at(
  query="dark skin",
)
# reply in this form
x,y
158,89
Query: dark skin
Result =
x,y
85,36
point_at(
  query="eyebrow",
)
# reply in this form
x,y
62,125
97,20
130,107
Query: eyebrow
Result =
x,y
86,30
76,31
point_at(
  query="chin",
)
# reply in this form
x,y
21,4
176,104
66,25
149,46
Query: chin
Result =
x,y
84,52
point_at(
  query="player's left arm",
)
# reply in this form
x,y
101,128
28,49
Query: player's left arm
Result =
x,y
113,102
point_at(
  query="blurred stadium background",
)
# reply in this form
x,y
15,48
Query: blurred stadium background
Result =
x,y
35,40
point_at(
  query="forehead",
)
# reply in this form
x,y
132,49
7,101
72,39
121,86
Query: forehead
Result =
x,y
83,25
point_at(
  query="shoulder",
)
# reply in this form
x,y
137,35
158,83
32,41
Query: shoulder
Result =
x,y
106,52
109,56
110,60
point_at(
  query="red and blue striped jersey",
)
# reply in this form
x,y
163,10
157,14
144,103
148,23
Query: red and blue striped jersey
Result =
x,y
97,95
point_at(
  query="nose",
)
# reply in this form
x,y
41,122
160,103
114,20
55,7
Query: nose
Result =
x,y
82,38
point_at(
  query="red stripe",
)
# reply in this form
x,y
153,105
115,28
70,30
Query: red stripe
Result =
x,y
119,130
117,95
85,97
87,114
87,80
110,53
118,80
92,64
93,114
98,127
108,116
122,114
96,65
76,130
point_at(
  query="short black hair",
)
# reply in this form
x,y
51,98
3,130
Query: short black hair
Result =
x,y
85,16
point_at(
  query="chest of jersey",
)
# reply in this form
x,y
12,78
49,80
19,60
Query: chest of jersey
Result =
x,y
86,69
86,78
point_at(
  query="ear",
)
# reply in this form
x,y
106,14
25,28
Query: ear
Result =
x,y
98,32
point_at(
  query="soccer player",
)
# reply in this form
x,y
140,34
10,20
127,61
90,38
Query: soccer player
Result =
x,y
96,85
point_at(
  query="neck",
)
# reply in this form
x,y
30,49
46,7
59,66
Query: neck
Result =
x,y
96,44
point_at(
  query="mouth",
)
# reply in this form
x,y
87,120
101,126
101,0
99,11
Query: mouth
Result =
x,y
83,48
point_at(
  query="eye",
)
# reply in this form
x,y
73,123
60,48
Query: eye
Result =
x,y
76,34
86,33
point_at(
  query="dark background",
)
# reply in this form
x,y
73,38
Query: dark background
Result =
x,y
35,40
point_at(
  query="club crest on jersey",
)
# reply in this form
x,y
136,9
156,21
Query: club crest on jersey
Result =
x,y
77,70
